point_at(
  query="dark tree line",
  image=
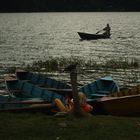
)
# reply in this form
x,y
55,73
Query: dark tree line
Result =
x,y
68,5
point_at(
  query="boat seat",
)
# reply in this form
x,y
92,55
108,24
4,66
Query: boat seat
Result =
x,y
61,91
89,100
97,95
103,92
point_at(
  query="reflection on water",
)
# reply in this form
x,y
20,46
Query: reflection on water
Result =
x,y
28,37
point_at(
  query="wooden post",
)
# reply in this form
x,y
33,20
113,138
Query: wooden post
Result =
x,y
76,109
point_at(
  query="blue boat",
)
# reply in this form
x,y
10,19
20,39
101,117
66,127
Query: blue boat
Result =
x,y
44,81
24,89
100,88
12,104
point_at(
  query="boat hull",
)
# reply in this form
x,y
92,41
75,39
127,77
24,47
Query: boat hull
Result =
x,y
119,106
87,36
12,104
123,103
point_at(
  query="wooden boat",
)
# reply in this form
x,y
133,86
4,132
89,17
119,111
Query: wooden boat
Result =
x,y
24,89
88,36
119,106
43,81
12,104
124,103
99,88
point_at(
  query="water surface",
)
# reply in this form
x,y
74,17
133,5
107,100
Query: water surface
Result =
x,y
28,37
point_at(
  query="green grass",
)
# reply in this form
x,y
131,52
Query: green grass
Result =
x,y
42,127
55,64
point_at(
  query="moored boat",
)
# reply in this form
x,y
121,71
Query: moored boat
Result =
x,y
88,36
100,88
44,81
123,103
24,89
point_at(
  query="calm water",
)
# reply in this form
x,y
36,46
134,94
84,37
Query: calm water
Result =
x,y
28,37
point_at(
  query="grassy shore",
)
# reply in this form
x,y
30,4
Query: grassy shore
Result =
x,y
43,127
55,64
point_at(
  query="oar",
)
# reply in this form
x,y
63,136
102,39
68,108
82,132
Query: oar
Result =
x,y
99,31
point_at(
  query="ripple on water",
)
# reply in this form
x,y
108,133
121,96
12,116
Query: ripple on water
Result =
x,y
24,39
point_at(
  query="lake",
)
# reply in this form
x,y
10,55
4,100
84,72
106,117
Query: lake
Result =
x,y
29,37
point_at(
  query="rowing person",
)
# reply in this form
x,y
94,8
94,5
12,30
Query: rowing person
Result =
x,y
107,30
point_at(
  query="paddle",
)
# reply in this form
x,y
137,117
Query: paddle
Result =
x,y
99,31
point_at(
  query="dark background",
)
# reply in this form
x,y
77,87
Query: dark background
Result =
x,y
68,5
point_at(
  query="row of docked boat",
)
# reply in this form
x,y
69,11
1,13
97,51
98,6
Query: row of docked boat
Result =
x,y
31,91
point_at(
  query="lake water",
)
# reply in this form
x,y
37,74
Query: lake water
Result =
x,y
28,37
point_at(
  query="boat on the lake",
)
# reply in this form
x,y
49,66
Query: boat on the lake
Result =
x,y
89,36
44,82
100,88
123,103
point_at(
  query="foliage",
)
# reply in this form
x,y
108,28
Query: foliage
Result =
x,y
56,64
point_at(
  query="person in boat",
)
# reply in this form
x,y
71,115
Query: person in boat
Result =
x,y
107,30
